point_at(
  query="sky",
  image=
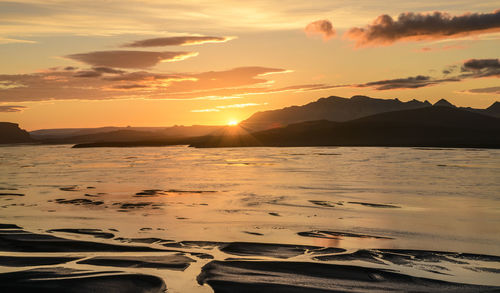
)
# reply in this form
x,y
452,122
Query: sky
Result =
x,y
71,64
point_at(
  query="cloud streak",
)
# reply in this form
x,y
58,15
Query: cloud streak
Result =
x,y
177,41
321,27
487,90
240,105
9,84
412,82
39,17
129,59
442,48
11,109
411,26
15,41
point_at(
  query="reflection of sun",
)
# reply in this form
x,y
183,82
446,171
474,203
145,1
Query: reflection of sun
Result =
x,y
232,122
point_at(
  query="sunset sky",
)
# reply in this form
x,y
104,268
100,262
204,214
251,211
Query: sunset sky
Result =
x,y
80,63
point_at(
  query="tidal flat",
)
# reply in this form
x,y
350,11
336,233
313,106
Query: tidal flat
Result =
x,y
318,219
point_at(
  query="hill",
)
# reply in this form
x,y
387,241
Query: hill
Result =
x,y
121,134
332,108
425,127
11,133
340,109
493,110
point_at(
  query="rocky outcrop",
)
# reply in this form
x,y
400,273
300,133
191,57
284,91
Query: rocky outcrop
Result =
x,y
11,133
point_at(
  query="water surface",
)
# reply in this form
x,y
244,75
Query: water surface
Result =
x,y
345,197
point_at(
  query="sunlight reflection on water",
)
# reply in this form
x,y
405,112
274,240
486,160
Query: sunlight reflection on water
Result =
x,y
446,199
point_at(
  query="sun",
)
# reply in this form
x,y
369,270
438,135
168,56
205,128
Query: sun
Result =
x,y
232,122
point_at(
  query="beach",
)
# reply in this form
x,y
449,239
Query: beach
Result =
x,y
315,219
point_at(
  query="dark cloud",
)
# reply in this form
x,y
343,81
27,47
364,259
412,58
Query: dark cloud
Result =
x,y
87,73
107,70
479,64
321,27
177,41
129,59
130,86
450,69
417,26
405,83
473,68
70,68
11,109
477,68
97,72
487,90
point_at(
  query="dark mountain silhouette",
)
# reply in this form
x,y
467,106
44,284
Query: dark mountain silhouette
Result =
x,y
360,120
139,143
494,109
117,135
175,139
342,109
425,127
11,133
435,126
59,133
444,103
122,134
332,108
191,131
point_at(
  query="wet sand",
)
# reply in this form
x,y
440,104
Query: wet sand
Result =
x,y
270,276
65,280
289,220
263,267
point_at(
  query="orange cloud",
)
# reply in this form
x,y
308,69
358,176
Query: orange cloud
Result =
x,y
177,41
101,83
410,26
104,83
129,59
321,27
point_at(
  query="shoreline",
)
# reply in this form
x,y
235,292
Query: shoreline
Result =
x,y
250,266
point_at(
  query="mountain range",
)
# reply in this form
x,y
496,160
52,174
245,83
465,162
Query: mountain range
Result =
x,y
436,126
342,109
119,134
358,120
